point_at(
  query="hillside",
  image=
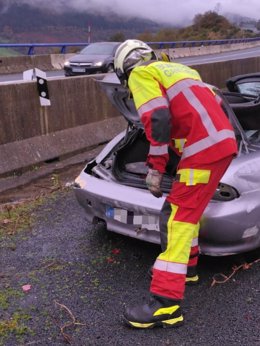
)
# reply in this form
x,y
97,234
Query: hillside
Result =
x,y
22,23
207,26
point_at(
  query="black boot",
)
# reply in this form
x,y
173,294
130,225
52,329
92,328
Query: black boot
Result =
x,y
158,312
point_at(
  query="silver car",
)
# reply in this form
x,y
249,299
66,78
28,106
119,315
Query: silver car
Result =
x,y
112,190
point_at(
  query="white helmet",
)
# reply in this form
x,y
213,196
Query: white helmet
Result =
x,y
130,54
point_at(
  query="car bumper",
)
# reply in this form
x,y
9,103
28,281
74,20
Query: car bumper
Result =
x,y
133,212
70,71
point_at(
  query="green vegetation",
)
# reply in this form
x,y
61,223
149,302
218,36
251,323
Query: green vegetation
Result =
x,y
6,295
18,217
15,218
14,325
209,26
8,52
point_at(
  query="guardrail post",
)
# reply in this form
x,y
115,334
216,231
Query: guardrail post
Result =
x,y
31,50
63,49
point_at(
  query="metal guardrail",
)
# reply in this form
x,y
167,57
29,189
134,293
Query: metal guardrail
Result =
x,y
31,46
160,45
201,43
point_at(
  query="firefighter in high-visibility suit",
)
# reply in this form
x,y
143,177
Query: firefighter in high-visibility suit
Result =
x,y
179,111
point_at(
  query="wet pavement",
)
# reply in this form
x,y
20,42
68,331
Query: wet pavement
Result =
x,y
80,279
62,281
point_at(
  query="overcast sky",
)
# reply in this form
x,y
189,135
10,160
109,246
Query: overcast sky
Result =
x,y
168,11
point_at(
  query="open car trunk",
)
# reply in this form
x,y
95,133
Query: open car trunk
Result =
x,y
129,163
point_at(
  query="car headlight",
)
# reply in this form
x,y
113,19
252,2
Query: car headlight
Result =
x,y
67,63
225,192
98,63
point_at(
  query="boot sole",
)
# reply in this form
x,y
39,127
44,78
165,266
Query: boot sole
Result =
x,y
171,323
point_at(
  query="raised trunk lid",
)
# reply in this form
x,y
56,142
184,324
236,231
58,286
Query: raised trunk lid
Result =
x,y
120,98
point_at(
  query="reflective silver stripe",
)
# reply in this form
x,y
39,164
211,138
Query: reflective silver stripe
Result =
x,y
171,267
180,86
191,177
195,242
218,99
206,143
215,136
158,150
152,104
203,113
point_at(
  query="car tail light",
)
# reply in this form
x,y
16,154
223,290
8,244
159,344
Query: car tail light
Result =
x,y
225,192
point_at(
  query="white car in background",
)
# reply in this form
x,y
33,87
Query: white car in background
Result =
x,y
112,190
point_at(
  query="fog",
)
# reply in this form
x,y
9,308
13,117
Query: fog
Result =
x,y
162,11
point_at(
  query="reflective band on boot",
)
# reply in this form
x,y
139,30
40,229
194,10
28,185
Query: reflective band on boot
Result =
x,y
174,322
192,280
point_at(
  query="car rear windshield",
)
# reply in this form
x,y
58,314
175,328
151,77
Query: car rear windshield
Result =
x,y
98,49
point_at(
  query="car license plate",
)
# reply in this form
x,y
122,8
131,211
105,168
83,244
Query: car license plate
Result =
x,y
149,222
78,69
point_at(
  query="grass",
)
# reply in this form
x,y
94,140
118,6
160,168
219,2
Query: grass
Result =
x,y
8,52
6,295
14,325
15,218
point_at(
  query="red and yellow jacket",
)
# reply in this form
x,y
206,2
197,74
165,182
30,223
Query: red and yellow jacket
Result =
x,y
179,110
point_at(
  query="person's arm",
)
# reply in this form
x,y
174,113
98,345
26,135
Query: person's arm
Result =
x,y
153,109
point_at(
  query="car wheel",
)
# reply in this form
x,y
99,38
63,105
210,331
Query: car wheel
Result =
x,y
110,68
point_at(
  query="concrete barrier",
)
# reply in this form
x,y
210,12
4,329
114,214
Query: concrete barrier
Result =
x,y
58,60
18,64
80,116
19,156
217,73
175,53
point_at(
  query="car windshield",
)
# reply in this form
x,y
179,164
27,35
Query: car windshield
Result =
x,y
98,49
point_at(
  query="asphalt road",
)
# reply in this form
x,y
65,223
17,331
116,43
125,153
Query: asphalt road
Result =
x,y
79,274
225,56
